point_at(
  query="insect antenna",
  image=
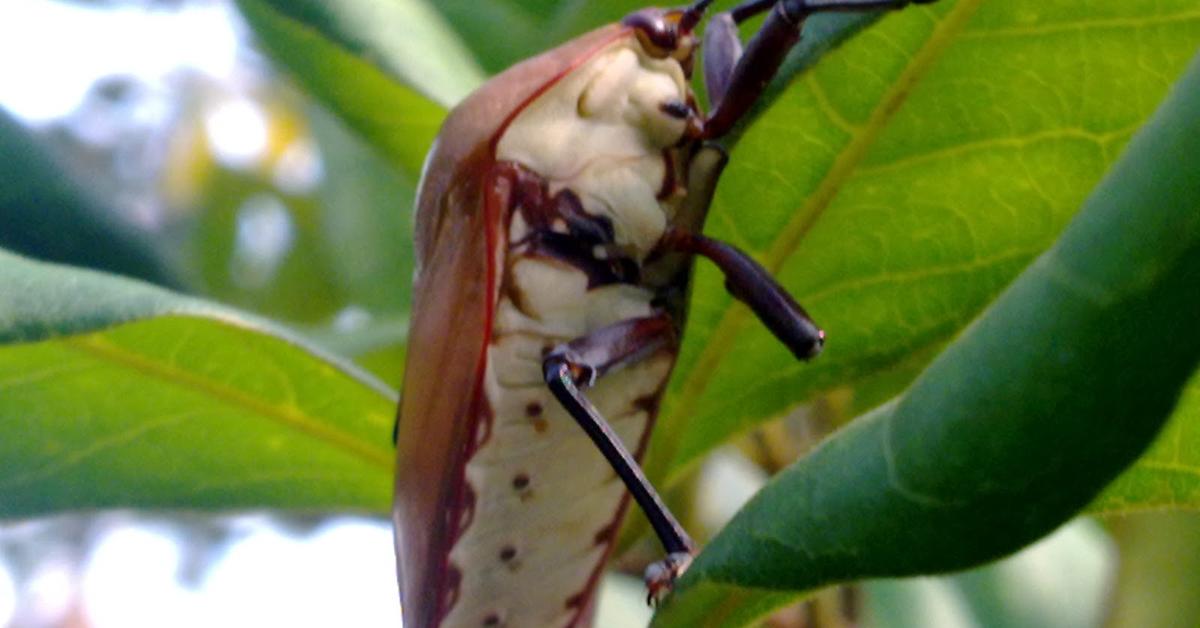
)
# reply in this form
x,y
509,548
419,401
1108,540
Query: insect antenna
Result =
x,y
692,15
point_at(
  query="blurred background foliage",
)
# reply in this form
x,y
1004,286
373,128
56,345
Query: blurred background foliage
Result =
x,y
150,139
189,161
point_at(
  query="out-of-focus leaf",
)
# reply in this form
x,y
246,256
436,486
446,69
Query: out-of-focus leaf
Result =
x,y
1159,572
917,603
499,32
366,221
45,213
117,394
260,249
341,67
532,26
528,27
1018,424
407,39
366,226
1062,581
902,183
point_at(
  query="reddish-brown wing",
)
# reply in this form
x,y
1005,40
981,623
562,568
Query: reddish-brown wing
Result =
x,y
458,234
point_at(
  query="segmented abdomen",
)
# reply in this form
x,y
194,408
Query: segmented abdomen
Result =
x,y
546,503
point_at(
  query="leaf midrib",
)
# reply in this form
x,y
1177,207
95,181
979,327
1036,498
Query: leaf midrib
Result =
x,y
735,317
96,346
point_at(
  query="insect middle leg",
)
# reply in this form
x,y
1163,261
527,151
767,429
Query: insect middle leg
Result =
x,y
751,284
575,365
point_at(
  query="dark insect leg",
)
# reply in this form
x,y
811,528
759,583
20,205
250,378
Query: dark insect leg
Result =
x,y
736,79
578,364
750,283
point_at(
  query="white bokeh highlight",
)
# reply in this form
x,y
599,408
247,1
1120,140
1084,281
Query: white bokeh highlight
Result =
x,y
76,43
8,595
238,133
342,575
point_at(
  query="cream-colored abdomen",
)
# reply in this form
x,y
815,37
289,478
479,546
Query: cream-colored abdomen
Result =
x,y
546,500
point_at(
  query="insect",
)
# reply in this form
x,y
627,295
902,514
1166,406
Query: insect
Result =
x,y
558,219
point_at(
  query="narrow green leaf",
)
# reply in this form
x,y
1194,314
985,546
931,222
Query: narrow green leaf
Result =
x,y
1041,402
117,394
405,38
366,220
352,73
902,183
46,213
523,31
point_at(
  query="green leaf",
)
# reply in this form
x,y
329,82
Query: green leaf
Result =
x,y
902,183
1040,403
528,26
117,394
1168,476
479,22
366,220
359,75
404,38
532,26
46,213
287,273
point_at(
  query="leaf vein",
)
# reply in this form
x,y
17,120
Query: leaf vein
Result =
x,y
288,416
96,448
1083,25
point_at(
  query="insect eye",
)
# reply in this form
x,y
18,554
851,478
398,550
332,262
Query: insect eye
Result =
x,y
657,31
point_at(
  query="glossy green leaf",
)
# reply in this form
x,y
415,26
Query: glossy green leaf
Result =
x,y
1040,403
354,72
899,186
117,394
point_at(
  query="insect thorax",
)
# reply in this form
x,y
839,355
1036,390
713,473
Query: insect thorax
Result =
x,y
606,131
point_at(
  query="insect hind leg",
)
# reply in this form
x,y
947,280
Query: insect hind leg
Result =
x,y
577,364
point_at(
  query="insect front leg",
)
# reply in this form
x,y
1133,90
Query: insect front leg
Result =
x,y
735,78
578,364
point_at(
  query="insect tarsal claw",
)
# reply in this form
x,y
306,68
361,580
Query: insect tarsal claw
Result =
x,y
660,577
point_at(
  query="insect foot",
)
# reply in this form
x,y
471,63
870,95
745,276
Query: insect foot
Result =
x,y
660,576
